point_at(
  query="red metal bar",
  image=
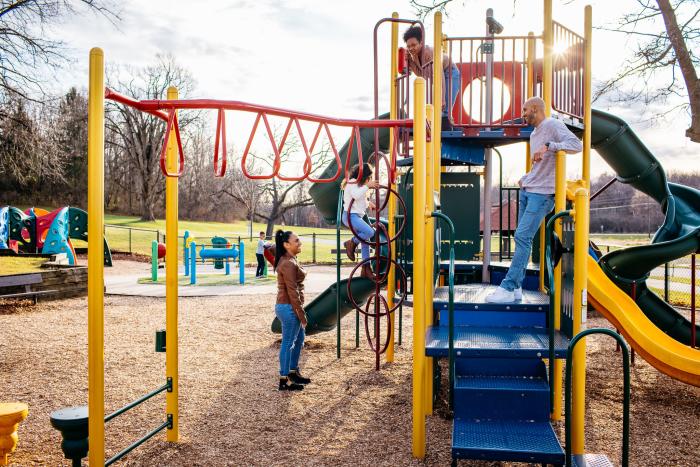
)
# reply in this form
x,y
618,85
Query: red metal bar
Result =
x,y
220,135
307,160
172,123
338,162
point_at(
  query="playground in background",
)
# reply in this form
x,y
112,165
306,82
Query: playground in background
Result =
x,y
37,231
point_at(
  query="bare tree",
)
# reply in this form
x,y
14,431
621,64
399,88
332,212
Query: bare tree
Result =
x,y
138,137
670,48
24,45
272,199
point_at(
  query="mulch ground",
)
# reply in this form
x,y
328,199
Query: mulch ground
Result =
x,y
232,414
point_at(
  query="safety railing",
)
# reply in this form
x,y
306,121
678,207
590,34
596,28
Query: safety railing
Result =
x,y
570,362
550,264
450,305
513,60
166,110
568,71
168,386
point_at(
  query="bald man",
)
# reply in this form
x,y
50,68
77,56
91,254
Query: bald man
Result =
x,y
536,192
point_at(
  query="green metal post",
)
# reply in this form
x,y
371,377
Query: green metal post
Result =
x,y
339,213
154,261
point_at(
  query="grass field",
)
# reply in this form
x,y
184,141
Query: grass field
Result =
x,y
215,279
17,265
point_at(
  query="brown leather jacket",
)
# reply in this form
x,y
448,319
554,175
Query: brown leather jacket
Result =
x,y
290,283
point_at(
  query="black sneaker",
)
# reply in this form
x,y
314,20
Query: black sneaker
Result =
x,y
286,385
295,377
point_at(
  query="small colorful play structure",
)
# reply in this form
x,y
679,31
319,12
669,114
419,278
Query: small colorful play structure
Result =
x,y
220,252
37,231
505,361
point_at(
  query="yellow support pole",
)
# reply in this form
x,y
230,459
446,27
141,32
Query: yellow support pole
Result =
x,y
391,286
171,306
559,205
437,75
581,221
530,87
587,74
429,254
418,441
96,179
548,38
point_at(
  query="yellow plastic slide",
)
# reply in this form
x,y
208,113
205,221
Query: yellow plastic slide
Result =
x,y
663,352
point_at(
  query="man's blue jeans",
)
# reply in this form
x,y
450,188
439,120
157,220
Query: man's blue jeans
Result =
x,y
292,338
533,208
453,82
363,230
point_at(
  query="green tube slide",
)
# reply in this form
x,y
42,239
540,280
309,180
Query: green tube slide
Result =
x,y
678,237
321,312
325,195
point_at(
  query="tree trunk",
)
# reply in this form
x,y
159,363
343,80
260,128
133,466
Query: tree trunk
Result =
x,y
685,62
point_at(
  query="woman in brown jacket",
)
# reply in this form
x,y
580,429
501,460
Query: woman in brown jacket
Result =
x,y
289,309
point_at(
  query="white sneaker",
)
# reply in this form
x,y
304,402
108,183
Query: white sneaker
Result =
x,y
518,293
500,295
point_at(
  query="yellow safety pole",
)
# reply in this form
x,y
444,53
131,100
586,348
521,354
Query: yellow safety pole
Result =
x,y
587,74
428,255
559,205
548,39
530,88
391,287
436,133
171,306
581,221
96,179
418,442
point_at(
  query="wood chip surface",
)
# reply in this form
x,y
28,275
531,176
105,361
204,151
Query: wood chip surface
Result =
x,y
232,414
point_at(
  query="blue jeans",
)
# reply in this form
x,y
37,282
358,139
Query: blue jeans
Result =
x,y
363,230
453,80
533,209
292,338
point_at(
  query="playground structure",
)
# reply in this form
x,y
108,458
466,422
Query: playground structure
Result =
x,y
502,393
219,250
37,231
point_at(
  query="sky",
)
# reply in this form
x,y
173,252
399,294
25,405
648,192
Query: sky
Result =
x,y
316,56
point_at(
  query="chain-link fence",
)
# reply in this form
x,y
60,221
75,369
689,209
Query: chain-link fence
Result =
x,y
317,248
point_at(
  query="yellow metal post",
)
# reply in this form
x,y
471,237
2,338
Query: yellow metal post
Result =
x,y
171,306
418,442
428,255
581,221
437,75
96,178
559,205
548,39
587,73
391,286
530,87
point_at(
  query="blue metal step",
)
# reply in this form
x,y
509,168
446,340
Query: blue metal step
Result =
x,y
502,397
490,341
506,440
471,308
592,460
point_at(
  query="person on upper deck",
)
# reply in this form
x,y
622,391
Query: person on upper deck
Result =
x,y
420,62
536,192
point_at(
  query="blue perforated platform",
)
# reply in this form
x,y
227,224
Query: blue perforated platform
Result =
x,y
592,460
473,297
476,341
506,440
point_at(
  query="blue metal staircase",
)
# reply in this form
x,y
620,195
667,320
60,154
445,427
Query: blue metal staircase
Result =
x,y
501,388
